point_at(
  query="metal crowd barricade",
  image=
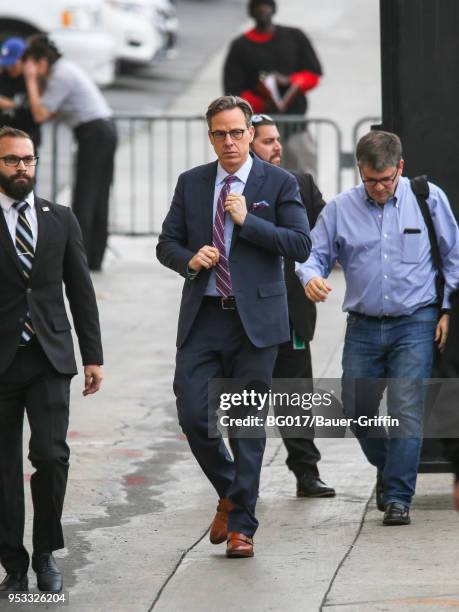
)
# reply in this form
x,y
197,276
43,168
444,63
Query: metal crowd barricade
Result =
x,y
154,149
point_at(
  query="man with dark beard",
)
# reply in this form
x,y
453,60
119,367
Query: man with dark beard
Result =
x,y
294,356
41,247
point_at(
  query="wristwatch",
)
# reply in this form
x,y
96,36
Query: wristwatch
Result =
x,y
190,274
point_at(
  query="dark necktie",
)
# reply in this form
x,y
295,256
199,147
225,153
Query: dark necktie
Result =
x,y
26,253
222,273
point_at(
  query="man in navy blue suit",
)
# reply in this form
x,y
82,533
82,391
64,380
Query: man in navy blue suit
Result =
x,y
228,227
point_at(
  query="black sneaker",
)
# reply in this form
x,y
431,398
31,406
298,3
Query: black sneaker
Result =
x,y
49,577
396,514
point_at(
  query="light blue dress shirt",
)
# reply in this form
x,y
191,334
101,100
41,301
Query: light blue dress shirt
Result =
x,y
388,270
237,187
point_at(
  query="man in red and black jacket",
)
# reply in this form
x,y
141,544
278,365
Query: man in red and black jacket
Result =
x,y
268,49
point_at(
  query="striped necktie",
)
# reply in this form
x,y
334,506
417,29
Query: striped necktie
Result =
x,y
222,274
26,253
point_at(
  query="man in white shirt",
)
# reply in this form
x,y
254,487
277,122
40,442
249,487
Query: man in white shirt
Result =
x,y
70,95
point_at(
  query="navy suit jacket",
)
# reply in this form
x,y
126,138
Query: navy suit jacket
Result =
x,y
268,232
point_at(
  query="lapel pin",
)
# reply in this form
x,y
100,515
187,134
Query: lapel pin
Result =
x,y
45,208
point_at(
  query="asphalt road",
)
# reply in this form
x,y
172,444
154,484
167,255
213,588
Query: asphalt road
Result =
x,y
204,26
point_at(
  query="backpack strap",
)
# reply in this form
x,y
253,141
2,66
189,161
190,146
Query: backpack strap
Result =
x,y
420,188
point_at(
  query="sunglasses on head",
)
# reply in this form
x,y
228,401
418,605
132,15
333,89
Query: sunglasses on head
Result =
x,y
261,118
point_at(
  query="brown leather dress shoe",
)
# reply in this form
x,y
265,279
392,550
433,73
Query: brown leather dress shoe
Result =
x,y
219,528
239,545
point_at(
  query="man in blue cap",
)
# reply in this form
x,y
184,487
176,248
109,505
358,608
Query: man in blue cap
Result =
x,y
14,106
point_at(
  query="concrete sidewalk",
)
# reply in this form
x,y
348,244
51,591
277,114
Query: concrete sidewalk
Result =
x,y
138,507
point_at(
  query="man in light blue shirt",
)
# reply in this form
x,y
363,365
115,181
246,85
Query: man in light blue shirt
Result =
x,y
376,231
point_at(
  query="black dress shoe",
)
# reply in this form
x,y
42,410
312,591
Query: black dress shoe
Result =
x,y
380,491
396,514
310,486
14,582
49,577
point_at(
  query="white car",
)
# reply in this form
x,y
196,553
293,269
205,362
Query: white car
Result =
x,y
166,19
138,40
74,25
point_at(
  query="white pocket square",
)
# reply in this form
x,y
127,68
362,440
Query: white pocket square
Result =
x,y
262,204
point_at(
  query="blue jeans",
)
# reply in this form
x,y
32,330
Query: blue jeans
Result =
x,y
395,354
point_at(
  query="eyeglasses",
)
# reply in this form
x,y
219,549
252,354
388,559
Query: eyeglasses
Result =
x,y
386,181
261,118
14,160
233,134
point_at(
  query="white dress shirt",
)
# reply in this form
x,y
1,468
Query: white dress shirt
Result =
x,y
11,215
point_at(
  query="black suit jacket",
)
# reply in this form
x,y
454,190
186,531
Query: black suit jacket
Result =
x,y
277,226
59,258
302,312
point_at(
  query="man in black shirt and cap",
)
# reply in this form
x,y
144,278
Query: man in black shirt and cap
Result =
x,y
283,52
272,67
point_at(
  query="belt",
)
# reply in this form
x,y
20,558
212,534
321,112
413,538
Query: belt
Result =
x,y
228,303
81,128
360,315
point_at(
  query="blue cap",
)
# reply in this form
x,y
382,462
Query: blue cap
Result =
x,y
12,50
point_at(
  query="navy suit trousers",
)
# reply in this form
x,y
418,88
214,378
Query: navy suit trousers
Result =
x,y
218,347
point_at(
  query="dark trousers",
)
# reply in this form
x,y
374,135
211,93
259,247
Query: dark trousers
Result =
x,y
218,347
97,142
302,454
31,383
